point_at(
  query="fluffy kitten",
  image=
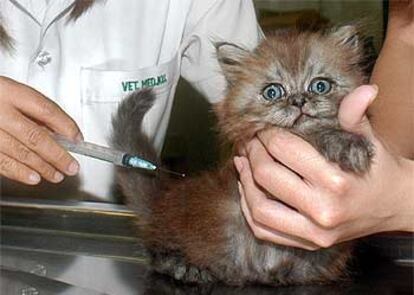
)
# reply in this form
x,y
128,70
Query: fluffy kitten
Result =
x,y
194,229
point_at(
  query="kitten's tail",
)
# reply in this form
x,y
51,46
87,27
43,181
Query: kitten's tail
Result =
x,y
138,186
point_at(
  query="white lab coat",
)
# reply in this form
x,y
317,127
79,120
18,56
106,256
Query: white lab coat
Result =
x,y
117,46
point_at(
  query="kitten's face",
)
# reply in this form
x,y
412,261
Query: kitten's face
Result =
x,y
292,80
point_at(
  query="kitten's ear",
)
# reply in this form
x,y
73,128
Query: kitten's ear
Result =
x,y
230,58
347,36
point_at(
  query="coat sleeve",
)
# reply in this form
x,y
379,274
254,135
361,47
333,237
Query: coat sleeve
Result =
x,y
212,21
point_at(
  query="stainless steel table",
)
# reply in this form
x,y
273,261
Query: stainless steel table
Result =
x,y
55,247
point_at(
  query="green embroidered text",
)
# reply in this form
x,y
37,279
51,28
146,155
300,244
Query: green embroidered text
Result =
x,y
151,82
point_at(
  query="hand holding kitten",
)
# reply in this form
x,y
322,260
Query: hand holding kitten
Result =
x,y
331,205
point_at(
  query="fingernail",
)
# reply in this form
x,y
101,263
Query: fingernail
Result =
x,y
58,177
373,92
238,163
34,178
73,168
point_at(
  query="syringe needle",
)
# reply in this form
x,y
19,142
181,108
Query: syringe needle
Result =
x,y
170,172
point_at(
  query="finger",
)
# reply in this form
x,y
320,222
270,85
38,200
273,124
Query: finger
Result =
x,y
353,108
38,140
36,106
299,156
275,216
19,152
14,170
278,180
269,235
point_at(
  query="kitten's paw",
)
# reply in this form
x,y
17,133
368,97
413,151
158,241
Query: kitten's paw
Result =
x,y
179,269
358,157
350,151
192,274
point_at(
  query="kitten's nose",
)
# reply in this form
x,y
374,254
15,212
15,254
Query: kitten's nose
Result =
x,y
298,101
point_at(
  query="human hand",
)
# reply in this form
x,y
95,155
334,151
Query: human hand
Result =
x,y
304,201
27,150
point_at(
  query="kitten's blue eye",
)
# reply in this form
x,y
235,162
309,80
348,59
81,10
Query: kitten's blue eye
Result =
x,y
273,92
320,86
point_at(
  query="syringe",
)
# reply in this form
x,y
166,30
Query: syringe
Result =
x,y
107,154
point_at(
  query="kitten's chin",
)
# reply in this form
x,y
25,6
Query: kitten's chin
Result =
x,y
306,124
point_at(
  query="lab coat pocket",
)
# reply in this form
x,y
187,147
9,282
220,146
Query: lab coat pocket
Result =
x,y
102,90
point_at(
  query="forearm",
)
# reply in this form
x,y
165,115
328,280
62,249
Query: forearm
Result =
x,y
392,112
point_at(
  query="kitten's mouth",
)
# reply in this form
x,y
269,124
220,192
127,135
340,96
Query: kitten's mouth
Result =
x,y
302,116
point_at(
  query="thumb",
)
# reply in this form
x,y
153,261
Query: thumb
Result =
x,y
353,108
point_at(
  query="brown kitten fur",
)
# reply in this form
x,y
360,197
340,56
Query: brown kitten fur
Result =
x,y
6,41
194,229
80,7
